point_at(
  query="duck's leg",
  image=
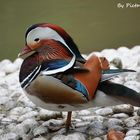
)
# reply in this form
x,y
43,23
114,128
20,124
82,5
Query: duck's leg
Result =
x,y
68,121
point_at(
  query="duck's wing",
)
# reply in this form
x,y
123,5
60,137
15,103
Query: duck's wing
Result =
x,y
110,73
120,92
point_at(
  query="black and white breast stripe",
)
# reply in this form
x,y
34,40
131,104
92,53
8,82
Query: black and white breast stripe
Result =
x,y
29,78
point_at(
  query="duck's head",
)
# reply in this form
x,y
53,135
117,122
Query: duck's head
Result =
x,y
48,35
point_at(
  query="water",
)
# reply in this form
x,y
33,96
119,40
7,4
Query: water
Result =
x,y
93,24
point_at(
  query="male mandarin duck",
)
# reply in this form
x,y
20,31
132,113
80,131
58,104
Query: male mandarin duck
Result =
x,y
56,77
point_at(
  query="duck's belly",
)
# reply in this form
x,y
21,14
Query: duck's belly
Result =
x,y
49,93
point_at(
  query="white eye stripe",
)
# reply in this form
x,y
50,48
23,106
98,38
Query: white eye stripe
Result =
x,y
44,33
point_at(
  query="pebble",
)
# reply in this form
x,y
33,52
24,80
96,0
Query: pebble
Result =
x,y
92,118
46,114
40,130
133,132
97,138
124,108
132,121
138,112
9,136
53,124
28,115
74,136
104,111
132,138
84,113
120,115
96,128
39,138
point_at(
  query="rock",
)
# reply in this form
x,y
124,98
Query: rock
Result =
x,y
10,68
104,111
96,128
120,115
106,53
4,100
132,121
6,121
16,111
53,124
46,114
18,62
1,131
124,108
84,113
82,124
74,136
2,74
3,63
97,138
40,130
31,123
19,129
9,136
132,138
39,138
138,112
133,132
114,121
117,63
91,118
28,115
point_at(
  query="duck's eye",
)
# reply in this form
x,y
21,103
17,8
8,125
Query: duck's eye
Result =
x,y
36,39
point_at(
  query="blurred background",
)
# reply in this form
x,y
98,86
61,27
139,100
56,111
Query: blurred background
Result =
x,y
93,24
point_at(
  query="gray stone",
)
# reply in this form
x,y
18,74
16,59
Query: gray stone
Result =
x,y
132,121
9,136
91,118
73,136
132,138
40,130
28,115
138,112
104,111
117,63
46,114
6,121
97,138
124,108
120,115
54,124
96,128
133,132
31,123
84,113
39,138
113,122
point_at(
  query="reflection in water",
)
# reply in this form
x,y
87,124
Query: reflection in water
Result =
x,y
94,25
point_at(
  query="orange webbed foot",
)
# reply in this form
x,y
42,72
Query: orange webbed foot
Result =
x,y
115,135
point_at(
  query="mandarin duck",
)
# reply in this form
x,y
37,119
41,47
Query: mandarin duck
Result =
x,y
55,76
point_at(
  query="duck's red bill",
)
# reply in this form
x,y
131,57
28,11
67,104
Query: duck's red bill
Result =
x,y
26,51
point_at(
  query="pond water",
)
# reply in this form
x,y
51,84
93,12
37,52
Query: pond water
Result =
x,y
93,24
